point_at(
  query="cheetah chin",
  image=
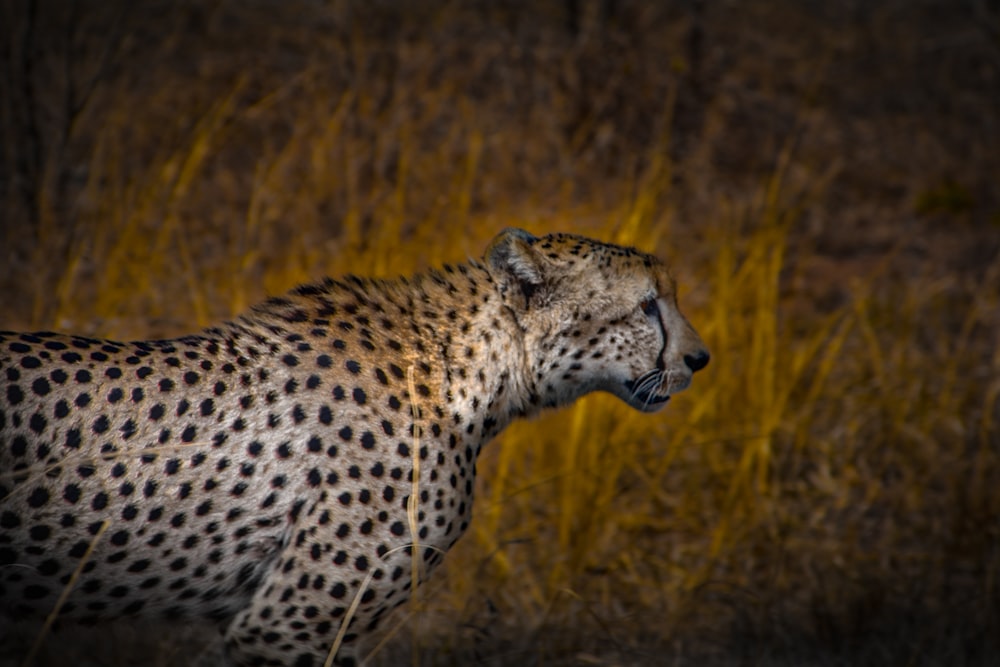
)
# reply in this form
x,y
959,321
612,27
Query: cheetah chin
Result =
x,y
280,474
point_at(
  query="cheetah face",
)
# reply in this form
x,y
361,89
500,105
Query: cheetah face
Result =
x,y
595,317
680,353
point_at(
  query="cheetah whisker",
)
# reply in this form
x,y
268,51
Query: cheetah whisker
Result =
x,y
646,385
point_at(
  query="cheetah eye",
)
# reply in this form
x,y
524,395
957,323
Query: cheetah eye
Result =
x,y
649,307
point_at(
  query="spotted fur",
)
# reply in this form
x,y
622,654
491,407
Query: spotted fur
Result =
x,y
258,474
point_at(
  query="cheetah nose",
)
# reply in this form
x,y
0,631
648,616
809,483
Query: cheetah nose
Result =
x,y
697,361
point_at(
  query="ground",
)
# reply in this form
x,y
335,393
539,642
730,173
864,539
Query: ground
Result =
x,y
822,178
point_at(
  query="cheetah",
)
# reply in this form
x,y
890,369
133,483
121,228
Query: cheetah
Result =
x,y
260,474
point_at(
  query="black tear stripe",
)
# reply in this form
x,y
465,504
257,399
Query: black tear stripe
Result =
x,y
660,363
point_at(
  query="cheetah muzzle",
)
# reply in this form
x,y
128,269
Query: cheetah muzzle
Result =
x,y
258,474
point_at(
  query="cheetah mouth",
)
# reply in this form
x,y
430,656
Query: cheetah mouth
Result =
x,y
643,394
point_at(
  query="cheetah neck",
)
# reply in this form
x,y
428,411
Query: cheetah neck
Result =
x,y
484,378
447,329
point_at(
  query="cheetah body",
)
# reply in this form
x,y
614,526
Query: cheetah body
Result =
x,y
259,473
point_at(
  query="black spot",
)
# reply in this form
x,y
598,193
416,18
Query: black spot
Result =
x,y
290,360
166,384
41,386
35,592
353,366
100,501
191,378
38,498
30,362
326,415
189,434
40,533
101,424
37,423
61,410
324,361
359,396
368,440
48,568
14,394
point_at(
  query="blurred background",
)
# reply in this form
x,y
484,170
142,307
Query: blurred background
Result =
x,y
824,178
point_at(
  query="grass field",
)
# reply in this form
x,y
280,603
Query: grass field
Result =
x,y
825,181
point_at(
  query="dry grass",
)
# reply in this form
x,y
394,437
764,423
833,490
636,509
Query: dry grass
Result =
x,y
824,181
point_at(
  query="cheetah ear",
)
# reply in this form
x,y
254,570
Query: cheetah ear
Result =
x,y
514,263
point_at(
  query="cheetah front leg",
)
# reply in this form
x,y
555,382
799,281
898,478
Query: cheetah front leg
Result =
x,y
297,612
276,631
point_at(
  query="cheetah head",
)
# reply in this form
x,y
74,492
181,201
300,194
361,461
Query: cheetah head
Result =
x,y
594,317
